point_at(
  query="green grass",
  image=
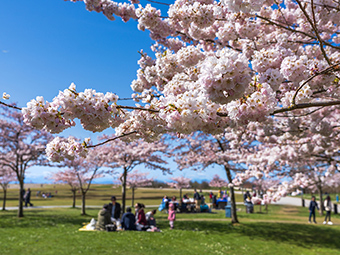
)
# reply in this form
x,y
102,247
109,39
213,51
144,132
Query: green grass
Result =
x,y
282,230
98,195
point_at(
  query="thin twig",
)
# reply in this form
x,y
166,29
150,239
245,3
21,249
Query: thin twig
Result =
x,y
112,139
335,66
307,105
313,24
135,108
156,2
11,106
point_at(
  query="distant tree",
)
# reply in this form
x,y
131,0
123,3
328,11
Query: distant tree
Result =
x,y
68,177
128,155
6,176
204,185
158,184
136,179
21,147
218,182
180,183
84,170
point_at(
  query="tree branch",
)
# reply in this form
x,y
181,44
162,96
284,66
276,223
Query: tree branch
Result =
x,y
313,25
334,67
11,106
112,139
307,105
135,108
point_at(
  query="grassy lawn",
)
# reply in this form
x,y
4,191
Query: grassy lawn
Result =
x,y
97,195
283,230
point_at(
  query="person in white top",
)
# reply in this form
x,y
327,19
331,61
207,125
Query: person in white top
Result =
x,y
328,207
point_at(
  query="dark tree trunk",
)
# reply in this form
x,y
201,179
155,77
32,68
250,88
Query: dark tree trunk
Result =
x,y
83,196
232,195
133,197
124,190
180,194
21,199
74,198
321,200
5,197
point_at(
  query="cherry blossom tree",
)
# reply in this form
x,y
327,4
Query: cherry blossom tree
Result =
x,y
69,177
179,183
127,155
218,182
6,176
134,180
218,66
302,149
21,147
82,171
199,151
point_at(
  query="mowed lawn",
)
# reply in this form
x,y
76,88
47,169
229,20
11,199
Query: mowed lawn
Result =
x,y
282,230
97,195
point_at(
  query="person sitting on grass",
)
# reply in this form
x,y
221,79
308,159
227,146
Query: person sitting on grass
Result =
x,y
312,205
128,220
140,217
104,218
150,218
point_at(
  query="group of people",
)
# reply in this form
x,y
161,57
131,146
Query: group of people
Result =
x,y
327,206
27,197
109,218
197,203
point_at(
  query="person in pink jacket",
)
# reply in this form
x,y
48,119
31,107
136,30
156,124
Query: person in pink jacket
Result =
x,y
172,215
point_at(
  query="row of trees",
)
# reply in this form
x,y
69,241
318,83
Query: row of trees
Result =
x,y
23,147
198,151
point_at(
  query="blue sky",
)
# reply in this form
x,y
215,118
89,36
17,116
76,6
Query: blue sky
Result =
x,y
47,45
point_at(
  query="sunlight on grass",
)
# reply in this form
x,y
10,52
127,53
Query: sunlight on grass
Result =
x,y
280,230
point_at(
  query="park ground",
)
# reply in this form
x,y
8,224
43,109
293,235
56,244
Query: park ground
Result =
x,y
280,230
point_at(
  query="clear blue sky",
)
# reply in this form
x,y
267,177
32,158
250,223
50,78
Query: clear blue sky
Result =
x,y
45,45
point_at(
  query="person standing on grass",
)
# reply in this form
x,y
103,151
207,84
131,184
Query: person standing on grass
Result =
x,y
197,198
328,207
172,215
312,205
27,197
210,196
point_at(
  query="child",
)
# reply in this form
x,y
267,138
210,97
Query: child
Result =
x,y
172,215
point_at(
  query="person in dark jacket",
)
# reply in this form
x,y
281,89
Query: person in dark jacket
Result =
x,y
197,198
27,197
104,218
114,209
312,206
128,220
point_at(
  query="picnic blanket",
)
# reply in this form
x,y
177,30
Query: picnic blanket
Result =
x,y
89,226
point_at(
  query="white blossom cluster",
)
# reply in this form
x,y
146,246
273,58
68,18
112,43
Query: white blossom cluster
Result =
x,y
60,148
96,111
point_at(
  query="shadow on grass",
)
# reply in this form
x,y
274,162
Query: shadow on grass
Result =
x,y
39,219
297,234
